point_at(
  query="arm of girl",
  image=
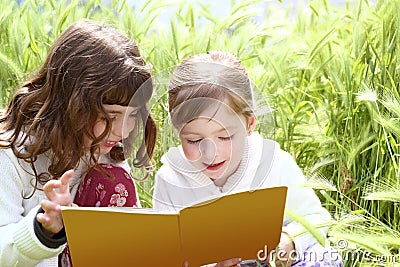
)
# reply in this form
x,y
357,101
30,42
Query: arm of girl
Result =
x,y
57,192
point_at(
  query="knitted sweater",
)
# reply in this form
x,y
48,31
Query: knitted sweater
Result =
x,y
179,185
19,246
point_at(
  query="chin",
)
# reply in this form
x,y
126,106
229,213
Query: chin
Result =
x,y
214,176
105,150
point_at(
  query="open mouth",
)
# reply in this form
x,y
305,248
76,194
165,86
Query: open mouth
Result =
x,y
111,143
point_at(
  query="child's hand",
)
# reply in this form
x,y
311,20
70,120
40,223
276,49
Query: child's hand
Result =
x,y
226,263
57,192
285,249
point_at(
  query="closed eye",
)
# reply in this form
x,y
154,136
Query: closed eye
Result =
x,y
111,118
194,141
226,138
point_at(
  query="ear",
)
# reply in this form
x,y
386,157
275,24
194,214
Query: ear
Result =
x,y
251,124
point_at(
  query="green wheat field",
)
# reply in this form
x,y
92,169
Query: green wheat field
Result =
x,y
331,75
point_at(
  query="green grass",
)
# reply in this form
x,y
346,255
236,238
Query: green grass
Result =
x,y
331,75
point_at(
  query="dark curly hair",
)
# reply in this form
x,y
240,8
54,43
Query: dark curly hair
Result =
x,y
89,65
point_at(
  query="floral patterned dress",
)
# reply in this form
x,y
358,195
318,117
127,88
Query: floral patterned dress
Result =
x,y
99,190
107,186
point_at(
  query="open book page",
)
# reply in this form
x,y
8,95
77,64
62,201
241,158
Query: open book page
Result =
x,y
236,225
122,237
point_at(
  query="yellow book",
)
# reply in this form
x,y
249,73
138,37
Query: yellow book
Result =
x,y
242,224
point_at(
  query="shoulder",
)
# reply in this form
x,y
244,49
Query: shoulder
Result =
x,y
279,164
273,147
289,170
106,159
7,157
167,172
174,167
13,173
284,155
173,160
10,162
269,150
257,141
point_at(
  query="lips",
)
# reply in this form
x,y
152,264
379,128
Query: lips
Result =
x,y
213,167
110,143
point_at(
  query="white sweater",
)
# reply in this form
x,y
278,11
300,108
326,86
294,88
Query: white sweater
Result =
x,y
19,245
179,185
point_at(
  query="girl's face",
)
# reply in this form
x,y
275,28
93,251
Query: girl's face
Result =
x,y
215,143
123,121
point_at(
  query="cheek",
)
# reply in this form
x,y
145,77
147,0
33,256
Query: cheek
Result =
x,y
99,128
191,151
234,149
86,141
227,148
129,126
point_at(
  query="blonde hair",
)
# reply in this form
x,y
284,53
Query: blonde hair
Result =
x,y
213,76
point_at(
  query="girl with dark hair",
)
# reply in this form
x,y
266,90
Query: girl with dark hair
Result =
x,y
82,111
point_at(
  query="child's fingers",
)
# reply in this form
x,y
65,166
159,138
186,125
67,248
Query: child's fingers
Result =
x,y
49,206
228,263
225,263
51,218
61,184
65,181
66,176
42,218
49,187
49,224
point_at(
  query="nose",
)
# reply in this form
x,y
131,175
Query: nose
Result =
x,y
120,128
208,150
117,128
